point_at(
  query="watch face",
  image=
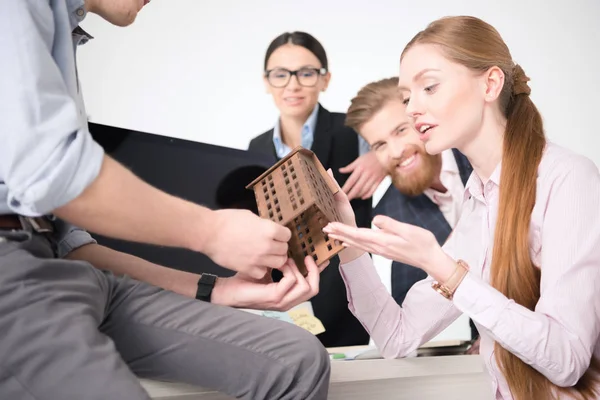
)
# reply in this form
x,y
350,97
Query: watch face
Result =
x,y
208,279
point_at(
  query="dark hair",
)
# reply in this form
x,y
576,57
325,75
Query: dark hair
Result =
x,y
303,39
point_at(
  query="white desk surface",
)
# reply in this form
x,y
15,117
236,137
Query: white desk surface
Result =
x,y
423,378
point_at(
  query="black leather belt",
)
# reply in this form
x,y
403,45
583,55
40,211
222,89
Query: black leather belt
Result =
x,y
16,222
10,222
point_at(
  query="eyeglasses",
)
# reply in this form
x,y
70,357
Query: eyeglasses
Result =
x,y
280,77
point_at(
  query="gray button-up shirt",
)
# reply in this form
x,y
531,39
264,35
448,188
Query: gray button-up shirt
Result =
x,y
47,155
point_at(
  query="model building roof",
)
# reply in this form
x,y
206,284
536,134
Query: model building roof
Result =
x,y
289,192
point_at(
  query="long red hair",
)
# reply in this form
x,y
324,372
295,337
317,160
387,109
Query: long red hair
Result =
x,y
476,45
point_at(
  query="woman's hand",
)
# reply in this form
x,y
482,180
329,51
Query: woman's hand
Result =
x,y
342,204
243,291
346,213
398,241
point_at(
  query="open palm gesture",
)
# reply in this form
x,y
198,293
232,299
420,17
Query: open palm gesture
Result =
x,y
393,240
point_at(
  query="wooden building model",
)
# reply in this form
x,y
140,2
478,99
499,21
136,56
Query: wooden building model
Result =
x,y
297,192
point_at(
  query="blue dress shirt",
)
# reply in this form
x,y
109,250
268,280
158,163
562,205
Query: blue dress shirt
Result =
x,y
308,134
47,155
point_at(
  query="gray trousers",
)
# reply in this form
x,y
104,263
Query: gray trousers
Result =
x,y
70,331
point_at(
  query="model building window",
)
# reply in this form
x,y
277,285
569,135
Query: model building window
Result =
x,y
300,196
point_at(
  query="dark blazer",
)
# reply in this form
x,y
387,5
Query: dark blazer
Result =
x,y
336,146
419,211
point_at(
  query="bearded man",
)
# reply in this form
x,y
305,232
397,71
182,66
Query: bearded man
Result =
x,y
426,190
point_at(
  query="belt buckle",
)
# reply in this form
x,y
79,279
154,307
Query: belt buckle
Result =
x,y
39,224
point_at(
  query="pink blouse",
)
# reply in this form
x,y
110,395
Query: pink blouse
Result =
x,y
560,337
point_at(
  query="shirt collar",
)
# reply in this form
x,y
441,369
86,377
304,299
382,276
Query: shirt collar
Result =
x,y
308,132
311,122
77,13
81,36
474,186
448,171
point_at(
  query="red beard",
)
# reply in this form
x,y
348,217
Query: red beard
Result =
x,y
414,182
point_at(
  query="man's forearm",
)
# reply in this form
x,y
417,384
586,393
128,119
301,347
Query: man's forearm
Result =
x,y
120,205
119,263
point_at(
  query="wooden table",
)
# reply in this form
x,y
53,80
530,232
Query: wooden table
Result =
x,y
423,378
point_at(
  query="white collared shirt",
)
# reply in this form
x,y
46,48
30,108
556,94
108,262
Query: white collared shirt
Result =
x,y
450,203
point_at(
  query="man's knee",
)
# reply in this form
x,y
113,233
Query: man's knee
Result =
x,y
312,353
310,362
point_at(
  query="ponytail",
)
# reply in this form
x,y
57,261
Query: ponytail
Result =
x,y
478,46
513,272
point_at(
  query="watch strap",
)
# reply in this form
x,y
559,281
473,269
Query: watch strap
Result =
x,y
206,283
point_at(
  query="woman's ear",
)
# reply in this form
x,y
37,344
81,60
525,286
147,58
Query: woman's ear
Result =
x,y
493,80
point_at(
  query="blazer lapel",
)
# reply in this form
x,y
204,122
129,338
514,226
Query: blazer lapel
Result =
x,y
267,144
323,136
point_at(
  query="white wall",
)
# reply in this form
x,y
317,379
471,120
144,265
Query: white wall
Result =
x,y
192,68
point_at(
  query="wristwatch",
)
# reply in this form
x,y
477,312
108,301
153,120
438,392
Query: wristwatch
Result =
x,y
206,283
448,288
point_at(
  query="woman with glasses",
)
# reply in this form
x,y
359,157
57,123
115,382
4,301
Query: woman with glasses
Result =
x,y
296,72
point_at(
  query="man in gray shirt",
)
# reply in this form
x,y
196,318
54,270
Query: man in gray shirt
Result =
x,y
73,322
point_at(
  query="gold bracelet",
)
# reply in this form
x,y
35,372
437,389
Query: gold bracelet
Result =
x,y
447,289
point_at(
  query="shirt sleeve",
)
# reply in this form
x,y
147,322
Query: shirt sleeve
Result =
x,y
68,237
559,337
47,158
397,331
